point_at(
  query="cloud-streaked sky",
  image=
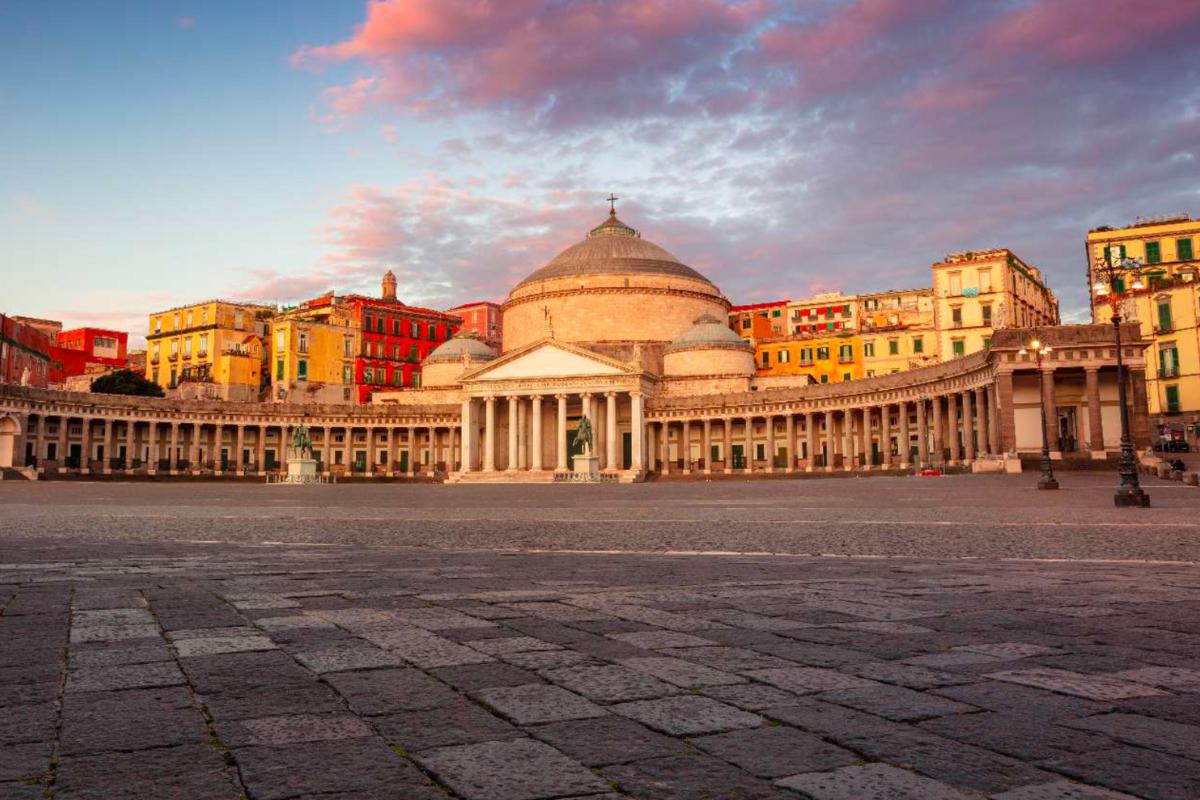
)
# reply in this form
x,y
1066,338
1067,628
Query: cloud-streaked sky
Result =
x,y
167,151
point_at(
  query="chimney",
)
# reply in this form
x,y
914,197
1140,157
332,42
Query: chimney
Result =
x,y
389,286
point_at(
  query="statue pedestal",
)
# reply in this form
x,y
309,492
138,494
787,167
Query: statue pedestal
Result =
x,y
302,470
587,465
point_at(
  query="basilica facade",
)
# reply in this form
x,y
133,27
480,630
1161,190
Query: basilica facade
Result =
x,y
618,336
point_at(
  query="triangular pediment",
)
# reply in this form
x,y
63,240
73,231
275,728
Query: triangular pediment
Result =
x,y
547,359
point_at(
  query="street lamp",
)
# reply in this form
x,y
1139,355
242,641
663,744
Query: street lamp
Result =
x,y
1109,286
1040,349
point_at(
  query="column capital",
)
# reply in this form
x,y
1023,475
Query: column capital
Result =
x,y
561,396
611,394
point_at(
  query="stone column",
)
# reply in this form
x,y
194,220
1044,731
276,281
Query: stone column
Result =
x,y
848,438
560,447
371,431
968,426
791,443
685,445
64,426
707,445
260,444
663,447
922,435
638,424
1003,420
451,449
194,449
130,427
172,459
830,442
239,467
489,435
864,437
885,436
414,451
39,443
612,456
810,440
326,446
535,415
522,433
770,420
952,428
347,449
85,444
513,444
939,439
1051,410
905,437
727,445
981,421
748,425
1095,418
468,438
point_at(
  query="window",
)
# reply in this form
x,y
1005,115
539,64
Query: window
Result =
x,y
1173,400
303,346
158,324
845,376
203,345
397,377
395,327
959,347
415,330
369,321
784,356
987,342
1168,361
918,344
1114,255
175,321
348,346
174,347
279,369
189,318
824,379
346,376
416,380
368,375
187,347
846,353
1164,315
806,355
302,370
1153,252
955,279
433,332
280,340
987,314
823,353
766,359
893,347
956,316
985,281
379,325
745,323
238,320
775,313
154,353
1183,249
869,349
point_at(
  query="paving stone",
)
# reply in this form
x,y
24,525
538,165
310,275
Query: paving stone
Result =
x,y
186,771
659,639
1023,700
293,728
538,702
1092,687
461,722
909,675
1164,707
871,782
294,622
774,752
895,702
357,767
106,654
1020,736
515,644
216,645
1009,650
549,659
136,719
126,676
247,702
1177,678
682,673
1155,734
806,680
469,677
838,723
25,761
236,671
877,626
513,770
384,691
348,658
112,616
950,761
28,723
425,649
607,740
264,602
609,683
688,715
1135,770
438,618
751,696
694,777
229,632
814,655
1062,790
956,658
112,633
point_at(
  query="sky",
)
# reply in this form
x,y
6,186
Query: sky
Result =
x,y
163,152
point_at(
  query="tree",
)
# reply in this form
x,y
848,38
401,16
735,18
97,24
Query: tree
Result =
x,y
126,381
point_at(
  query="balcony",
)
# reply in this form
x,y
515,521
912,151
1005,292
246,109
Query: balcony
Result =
x,y
1162,330
1169,372
173,357
845,359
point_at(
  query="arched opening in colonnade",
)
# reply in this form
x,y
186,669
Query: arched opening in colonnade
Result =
x,y
9,430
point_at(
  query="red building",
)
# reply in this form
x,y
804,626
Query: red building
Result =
x,y
80,348
24,352
483,319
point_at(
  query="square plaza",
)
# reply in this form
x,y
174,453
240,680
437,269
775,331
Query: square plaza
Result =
x,y
803,638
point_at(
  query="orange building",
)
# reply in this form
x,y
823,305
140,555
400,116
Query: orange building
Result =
x,y
759,321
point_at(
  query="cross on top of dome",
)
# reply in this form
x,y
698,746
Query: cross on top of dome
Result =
x,y
613,226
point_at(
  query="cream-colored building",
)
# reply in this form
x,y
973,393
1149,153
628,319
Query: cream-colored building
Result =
x,y
978,291
897,331
1166,309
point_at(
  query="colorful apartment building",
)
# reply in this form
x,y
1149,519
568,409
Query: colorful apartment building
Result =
x,y
1166,310
483,319
83,351
976,292
825,314
212,349
759,321
314,349
896,327
24,352
827,359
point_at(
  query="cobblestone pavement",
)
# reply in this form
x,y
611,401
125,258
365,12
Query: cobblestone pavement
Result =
x,y
210,671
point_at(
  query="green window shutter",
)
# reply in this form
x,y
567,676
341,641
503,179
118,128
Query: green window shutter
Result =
x,y
1172,398
1121,252
1107,255
279,370
1183,249
1118,285
1153,253
1164,316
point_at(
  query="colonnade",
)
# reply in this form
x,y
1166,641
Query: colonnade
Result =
x,y
536,428
948,429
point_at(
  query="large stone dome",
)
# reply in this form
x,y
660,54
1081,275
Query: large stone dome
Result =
x,y
613,248
610,291
453,357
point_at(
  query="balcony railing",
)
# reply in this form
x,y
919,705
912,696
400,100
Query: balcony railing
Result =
x,y
1169,372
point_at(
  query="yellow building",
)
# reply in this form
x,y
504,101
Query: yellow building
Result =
x,y
897,330
828,359
976,292
1166,308
210,349
312,359
829,313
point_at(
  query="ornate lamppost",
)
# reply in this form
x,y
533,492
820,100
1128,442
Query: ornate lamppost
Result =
x,y
1040,349
1110,277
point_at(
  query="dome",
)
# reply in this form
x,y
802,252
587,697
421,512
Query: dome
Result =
x,y
461,345
613,248
708,332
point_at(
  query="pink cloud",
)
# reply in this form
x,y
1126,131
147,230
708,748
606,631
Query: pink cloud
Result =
x,y
185,22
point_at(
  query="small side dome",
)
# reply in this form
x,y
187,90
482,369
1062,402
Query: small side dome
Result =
x,y
708,332
463,344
